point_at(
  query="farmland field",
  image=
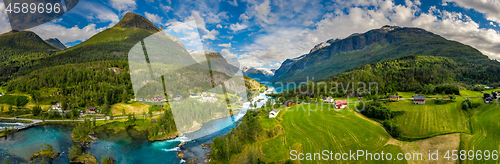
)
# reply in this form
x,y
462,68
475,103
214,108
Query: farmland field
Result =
x,y
135,107
423,121
486,135
313,132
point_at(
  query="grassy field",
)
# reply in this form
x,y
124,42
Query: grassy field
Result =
x,y
323,130
423,121
134,107
463,93
486,125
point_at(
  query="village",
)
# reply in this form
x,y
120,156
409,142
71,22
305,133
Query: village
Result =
x,y
417,99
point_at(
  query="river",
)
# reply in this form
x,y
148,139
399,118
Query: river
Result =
x,y
125,147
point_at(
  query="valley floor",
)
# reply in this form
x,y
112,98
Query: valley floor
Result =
x,y
314,128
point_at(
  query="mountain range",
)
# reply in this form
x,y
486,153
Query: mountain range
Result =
x,y
337,56
258,74
54,42
24,52
96,65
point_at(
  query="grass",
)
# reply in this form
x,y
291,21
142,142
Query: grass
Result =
x,y
463,93
406,94
424,121
134,107
323,130
486,125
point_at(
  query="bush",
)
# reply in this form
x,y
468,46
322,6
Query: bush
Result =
x,y
392,129
36,110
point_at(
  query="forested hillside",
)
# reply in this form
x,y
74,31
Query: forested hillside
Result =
x,y
421,74
389,43
111,44
21,49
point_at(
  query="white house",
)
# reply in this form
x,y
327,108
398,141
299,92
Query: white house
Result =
x,y
204,94
193,96
213,94
419,99
328,100
273,113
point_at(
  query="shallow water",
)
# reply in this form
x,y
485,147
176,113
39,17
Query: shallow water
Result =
x,y
125,147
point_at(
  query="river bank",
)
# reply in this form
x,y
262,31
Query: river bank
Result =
x,y
125,146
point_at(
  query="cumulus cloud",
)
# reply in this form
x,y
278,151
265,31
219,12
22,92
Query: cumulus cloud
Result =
x,y
4,21
237,27
154,18
233,2
123,5
165,8
228,53
200,23
97,13
187,32
65,35
490,8
228,45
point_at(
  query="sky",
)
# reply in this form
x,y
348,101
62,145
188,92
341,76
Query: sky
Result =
x,y
263,33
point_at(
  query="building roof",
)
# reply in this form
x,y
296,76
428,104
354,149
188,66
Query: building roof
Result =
x,y
392,96
340,101
275,111
418,97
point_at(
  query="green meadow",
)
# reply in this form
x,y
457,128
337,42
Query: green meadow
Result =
x,y
312,128
486,136
312,132
424,121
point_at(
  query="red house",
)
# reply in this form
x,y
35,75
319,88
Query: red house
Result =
x,y
340,104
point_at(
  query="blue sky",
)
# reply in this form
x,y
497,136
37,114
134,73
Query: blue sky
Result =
x,y
263,33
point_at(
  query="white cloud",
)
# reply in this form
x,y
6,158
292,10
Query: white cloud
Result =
x,y
165,8
187,32
233,2
97,13
200,23
490,8
154,18
237,27
228,45
244,17
219,26
493,24
275,65
228,53
4,21
65,35
123,5
211,35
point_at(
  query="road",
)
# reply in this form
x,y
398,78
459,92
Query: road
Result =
x,y
100,119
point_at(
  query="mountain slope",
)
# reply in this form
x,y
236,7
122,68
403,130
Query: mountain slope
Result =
x,y
18,49
386,43
254,74
110,44
269,74
54,42
285,66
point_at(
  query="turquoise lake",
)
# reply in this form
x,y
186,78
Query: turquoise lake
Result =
x,y
124,148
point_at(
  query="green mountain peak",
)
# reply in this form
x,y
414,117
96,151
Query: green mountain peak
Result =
x,y
132,20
